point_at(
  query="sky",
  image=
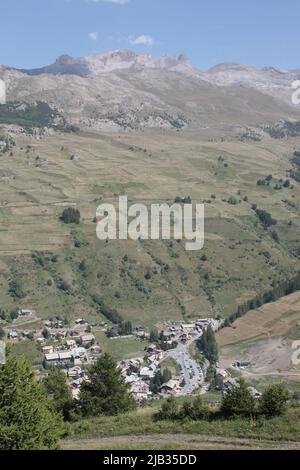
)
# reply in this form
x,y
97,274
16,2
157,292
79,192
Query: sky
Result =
x,y
34,33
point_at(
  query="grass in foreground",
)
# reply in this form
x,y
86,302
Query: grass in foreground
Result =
x,y
140,422
172,442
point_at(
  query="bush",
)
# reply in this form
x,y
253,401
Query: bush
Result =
x,y
265,218
238,402
274,400
111,314
16,289
232,200
196,410
169,410
71,216
14,314
65,286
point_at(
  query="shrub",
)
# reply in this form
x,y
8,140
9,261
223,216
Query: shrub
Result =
x,y
274,400
265,218
196,410
169,410
71,216
16,289
238,402
232,200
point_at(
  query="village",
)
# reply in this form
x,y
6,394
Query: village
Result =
x,y
72,349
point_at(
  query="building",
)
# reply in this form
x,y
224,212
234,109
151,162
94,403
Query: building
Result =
x,y
75,373
170,388
96,349
146,372
87,339
140,391
152,348
58,334
71,343
59,359
13,334
79,355
40,339
242,364
48,350
187,327
130,379
202,323
25,312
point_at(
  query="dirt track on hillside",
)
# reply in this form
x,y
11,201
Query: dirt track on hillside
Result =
x,y
177,442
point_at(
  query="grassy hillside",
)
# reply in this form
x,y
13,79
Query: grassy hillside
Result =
x,y
147,281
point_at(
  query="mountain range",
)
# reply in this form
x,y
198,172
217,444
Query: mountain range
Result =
x,y
124,90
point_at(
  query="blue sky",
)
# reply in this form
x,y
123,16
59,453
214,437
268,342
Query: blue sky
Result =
x,y
260,32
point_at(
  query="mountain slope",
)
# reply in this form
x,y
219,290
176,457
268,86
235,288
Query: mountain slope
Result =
x,y
123,90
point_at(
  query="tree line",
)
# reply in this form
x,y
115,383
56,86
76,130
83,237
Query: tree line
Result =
x,y
238,402
282,289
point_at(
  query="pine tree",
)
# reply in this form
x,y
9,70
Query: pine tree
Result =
x,y
154,336
208,345
105,393
27,418
56,386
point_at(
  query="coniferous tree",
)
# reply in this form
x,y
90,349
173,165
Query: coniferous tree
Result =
x,y
28,420
105,393
208,345
154,336
56,386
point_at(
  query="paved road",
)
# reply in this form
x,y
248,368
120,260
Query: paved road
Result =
x,y
190,369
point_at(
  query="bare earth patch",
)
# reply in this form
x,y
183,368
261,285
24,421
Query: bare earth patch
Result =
x,y
265,336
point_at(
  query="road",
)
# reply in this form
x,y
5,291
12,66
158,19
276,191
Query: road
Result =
x,y
190,369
